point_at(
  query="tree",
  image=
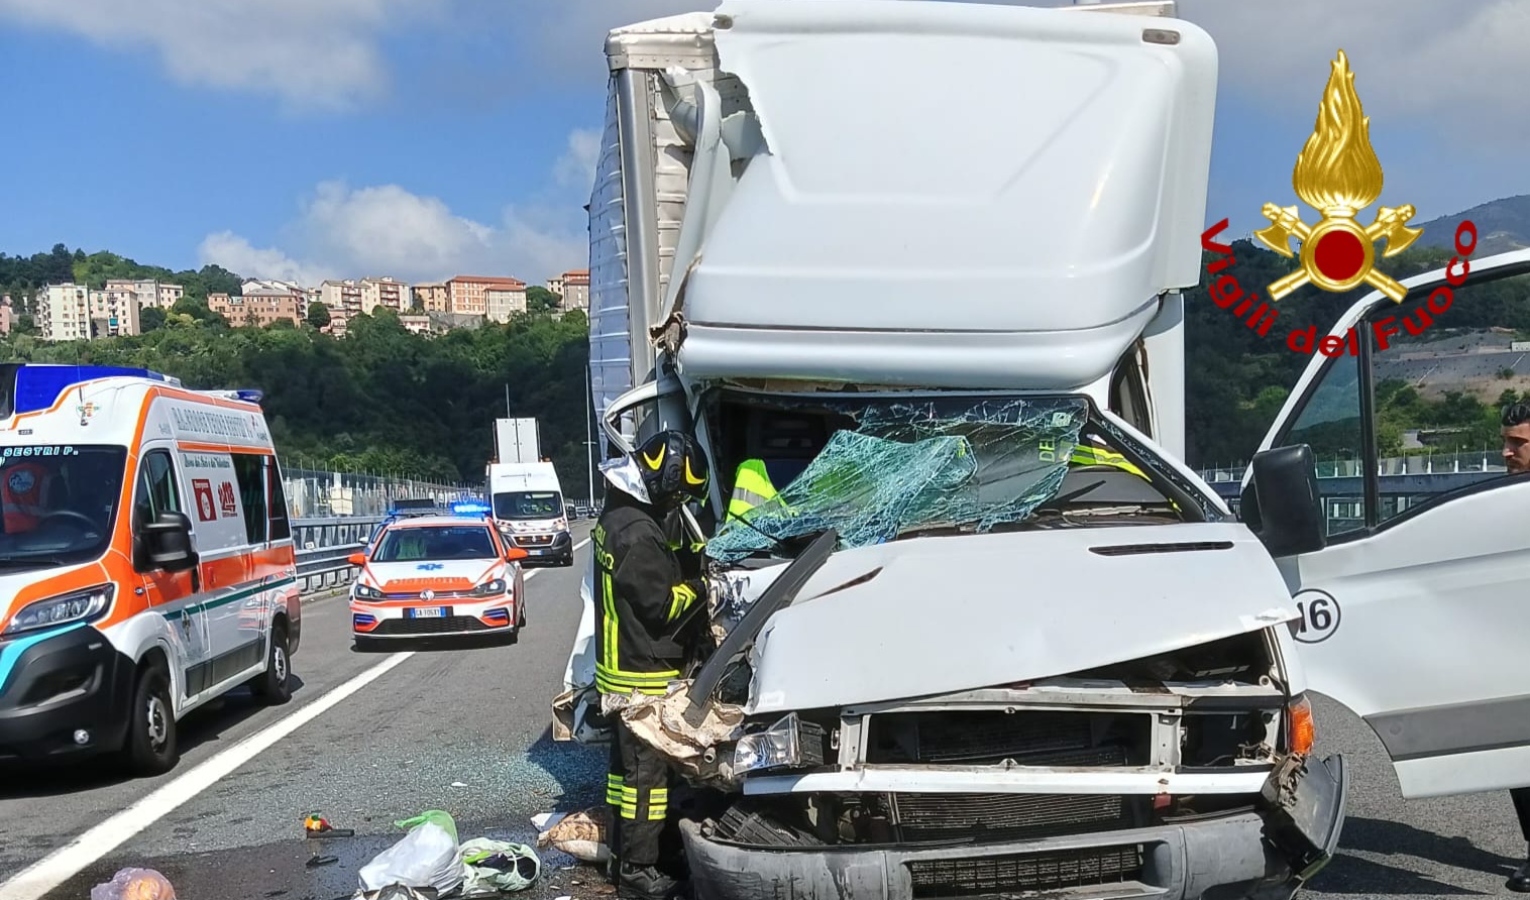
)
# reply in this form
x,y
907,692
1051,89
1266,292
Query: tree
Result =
x,y
318,315
151,318
539,299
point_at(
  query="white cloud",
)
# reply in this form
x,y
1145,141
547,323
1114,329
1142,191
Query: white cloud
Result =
x,y
238,255
576,167
345,232
315,54
1422,67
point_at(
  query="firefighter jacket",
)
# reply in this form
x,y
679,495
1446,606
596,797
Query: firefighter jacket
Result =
x,y
641,595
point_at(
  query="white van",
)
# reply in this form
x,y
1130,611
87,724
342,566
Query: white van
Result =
x,y
146,561
528,510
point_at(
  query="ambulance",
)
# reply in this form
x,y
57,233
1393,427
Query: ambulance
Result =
x,y
438,576
147,564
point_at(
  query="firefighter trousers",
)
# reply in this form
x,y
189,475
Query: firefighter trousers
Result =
x,y
637,788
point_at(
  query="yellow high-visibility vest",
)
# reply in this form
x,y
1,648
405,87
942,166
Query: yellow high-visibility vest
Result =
x,y
1090,455
751,487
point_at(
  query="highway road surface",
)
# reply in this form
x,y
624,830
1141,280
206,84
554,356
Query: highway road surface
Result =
x,y
372,738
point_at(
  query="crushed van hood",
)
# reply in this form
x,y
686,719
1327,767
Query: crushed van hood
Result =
x,y
958,613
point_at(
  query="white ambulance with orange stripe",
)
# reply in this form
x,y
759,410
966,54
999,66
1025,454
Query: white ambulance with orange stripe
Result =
x,y
146,561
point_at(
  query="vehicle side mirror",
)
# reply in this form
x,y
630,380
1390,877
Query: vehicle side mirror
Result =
x,y
515,553
168,542
1281,504
357,559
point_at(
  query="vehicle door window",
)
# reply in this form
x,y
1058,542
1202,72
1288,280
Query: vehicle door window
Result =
x,y
1444,364
157,491
1330,422
250,471
281,527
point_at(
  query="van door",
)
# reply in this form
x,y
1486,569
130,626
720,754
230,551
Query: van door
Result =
x,y
1414,615
174,595
223,552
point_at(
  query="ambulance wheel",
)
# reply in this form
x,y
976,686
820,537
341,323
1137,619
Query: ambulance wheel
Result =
x,y
520,612
273,687
151,748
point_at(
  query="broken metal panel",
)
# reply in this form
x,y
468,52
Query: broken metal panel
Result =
x,y
1020,780
1019,595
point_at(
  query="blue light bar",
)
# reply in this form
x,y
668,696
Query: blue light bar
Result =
x,y
250,395
38,386
470,508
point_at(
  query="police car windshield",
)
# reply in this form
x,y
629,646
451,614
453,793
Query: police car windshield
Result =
x,y
528,505
58,503
435,543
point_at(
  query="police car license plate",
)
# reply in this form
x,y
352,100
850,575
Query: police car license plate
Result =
x,y
432,612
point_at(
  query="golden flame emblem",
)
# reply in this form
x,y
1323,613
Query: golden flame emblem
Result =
x,y
1338,174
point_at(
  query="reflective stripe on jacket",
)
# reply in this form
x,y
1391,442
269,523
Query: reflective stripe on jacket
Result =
x,y
751,488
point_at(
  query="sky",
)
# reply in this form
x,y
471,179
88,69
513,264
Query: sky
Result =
x,y
310,139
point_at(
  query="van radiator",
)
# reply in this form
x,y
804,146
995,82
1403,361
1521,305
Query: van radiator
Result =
x,y
989,737
989,818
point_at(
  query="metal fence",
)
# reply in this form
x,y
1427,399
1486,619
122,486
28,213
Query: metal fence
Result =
x,y
313,494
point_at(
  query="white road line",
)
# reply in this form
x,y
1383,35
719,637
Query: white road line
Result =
x,y
35,881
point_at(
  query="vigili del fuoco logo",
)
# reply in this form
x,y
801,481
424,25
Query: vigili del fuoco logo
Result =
x,y
1338,174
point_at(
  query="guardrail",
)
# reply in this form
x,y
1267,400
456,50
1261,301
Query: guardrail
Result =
x,y
322,548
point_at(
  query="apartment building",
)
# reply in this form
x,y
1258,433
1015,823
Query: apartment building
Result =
x,y
504,301
433,297
468,294
417,323
115,311
147,291
574,287
63,312
385,292
260,307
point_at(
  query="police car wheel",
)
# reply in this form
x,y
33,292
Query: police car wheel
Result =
x,y
273,687
151,747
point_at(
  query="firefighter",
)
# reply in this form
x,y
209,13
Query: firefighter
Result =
x,y
641,593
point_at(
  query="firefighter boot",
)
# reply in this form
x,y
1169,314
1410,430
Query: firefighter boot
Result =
x,y
1519,882
643,883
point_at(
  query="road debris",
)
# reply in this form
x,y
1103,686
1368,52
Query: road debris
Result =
x,y
426,857
581,835
134,884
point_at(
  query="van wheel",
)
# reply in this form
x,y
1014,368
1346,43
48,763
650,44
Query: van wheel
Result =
x,y
273,687
151,748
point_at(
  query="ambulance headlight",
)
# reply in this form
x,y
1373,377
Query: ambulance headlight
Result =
x,y
488,588
66,609
363,592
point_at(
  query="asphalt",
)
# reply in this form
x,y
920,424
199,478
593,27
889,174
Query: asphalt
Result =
x,y
465,729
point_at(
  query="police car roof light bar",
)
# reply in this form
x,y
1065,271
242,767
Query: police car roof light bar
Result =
x,y
39,385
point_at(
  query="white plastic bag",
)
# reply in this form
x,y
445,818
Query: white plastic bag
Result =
x,y
427,856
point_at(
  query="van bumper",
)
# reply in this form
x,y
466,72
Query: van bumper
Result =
x,y
57,682
1232,855
559,553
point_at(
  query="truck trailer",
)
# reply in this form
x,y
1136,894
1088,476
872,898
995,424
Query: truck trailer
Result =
x,y
922,264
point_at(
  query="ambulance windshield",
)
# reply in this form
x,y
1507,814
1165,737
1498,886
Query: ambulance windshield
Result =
x,y
58,503
528,505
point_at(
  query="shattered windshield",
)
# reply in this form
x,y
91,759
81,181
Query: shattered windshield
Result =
x,y
877,468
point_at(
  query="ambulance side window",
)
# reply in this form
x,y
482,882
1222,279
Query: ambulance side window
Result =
x,y
281,528
250,472
157,493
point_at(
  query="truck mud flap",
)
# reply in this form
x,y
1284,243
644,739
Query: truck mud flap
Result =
x,y
1303,809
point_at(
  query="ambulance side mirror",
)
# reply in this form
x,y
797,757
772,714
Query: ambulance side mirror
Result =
x,y
167,542
515,553
357,559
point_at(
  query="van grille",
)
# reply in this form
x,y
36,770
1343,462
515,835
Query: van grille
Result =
x,y
989,818
989,737
992,876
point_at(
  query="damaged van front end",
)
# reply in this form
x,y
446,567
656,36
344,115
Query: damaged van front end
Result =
x,y
1182,769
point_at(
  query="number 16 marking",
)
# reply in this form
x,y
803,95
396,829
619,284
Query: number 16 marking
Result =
x,y
1319,617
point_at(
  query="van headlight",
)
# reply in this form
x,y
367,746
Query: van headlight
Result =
x,y
497,586
78,606
788,744
363,592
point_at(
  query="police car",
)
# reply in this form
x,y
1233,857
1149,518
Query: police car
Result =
x,y
436,576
